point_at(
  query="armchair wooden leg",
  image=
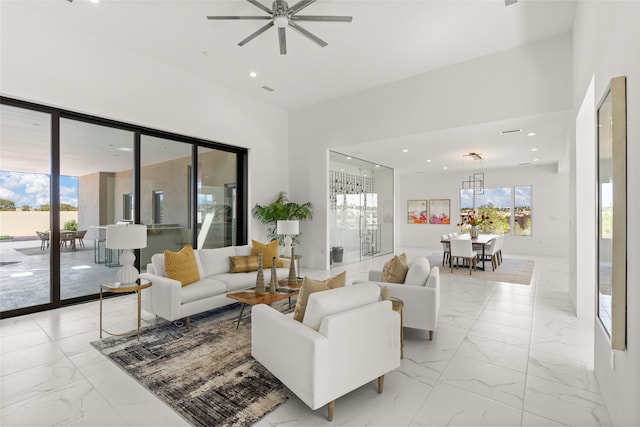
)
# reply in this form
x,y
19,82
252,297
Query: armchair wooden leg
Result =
x,y
187,322
332,407
380,384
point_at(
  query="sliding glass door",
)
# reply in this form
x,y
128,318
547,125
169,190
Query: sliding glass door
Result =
x,y
25,200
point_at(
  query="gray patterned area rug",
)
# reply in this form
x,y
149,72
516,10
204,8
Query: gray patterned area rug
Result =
x,y
206,374
518,271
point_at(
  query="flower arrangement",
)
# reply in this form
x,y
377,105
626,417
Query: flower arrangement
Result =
x,y
474,220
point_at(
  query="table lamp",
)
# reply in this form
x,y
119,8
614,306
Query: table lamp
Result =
x,y
287,229
126,237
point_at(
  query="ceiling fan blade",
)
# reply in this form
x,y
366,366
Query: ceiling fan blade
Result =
x,y
260,6
300,5
239,17
256,34
282,39
322,18
307,34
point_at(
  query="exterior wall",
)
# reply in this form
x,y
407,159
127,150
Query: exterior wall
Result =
x,y
25,224
606,42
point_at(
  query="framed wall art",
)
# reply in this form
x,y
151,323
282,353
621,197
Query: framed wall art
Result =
x,y
440,211
612,213
417,211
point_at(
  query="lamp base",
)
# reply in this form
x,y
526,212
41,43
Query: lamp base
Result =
x,y
128,274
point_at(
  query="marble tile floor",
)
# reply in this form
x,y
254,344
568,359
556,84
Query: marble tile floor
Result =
x,y
503,355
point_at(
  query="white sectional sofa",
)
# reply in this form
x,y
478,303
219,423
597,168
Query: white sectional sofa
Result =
x,y
168,299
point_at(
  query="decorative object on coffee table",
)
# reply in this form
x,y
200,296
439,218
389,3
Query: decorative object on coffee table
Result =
x,y
260,276
274,277
292,270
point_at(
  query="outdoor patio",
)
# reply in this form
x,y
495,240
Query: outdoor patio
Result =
x,y
24,273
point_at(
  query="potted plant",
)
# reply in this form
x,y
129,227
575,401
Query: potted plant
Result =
x,y
279,210
474,221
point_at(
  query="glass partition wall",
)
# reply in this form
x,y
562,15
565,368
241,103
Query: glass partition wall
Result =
x,y
65,176
360,209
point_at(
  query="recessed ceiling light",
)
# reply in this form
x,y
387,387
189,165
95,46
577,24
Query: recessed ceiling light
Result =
x,y
531,134
445,167
125,149
405,150
253,74
377,166
502,132
94,1
348,158
428,160
534,149
535,160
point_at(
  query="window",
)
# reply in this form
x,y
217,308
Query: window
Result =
x,y
156,206
509,209
127,207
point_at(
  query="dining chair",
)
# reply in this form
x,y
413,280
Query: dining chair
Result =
x,y
491,252
499,248
461,248
446,248
80,237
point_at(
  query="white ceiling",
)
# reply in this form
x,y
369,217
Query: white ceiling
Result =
x,y
387,41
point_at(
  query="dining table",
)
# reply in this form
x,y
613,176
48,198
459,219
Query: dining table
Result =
x,y
482,240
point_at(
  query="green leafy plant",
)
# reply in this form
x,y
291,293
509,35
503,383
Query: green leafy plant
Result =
x,y
71,225
281,210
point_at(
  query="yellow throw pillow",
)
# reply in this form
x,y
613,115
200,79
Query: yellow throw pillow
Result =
x,y
395,270
269,251
243,264
310,286
181,266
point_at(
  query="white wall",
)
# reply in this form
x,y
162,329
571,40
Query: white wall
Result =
x,y
79,72
529,80
550,203
606,45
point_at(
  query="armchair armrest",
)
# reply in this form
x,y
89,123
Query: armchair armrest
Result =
x,y
291,351
163,298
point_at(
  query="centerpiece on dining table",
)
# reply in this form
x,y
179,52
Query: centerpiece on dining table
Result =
x,y
474,220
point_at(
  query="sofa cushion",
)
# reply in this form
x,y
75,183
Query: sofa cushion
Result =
x,y
418,272
243,264
395,270
310,286
202,289
237,281
216,261
182,266
322,304
269,251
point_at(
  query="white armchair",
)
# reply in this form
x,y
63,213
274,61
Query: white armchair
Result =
x,y
357,340
420,293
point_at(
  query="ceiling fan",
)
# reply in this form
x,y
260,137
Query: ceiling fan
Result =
x,y
282,16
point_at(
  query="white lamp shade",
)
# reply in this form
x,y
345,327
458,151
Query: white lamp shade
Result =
x,y
129,236
288,227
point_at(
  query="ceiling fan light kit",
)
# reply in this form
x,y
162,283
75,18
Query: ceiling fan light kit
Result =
x,y
282,16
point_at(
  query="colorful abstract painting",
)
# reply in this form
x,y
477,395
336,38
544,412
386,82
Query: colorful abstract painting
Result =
x,y
439,211
417,211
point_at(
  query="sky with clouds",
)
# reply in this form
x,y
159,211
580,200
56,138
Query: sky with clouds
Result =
x,y
33,189
498,197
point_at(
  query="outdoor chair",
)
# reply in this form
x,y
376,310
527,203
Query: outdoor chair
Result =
x,y
80,237
44,239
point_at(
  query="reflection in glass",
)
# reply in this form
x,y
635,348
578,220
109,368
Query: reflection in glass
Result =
x,y
217,205
605,217
25,193
164,195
